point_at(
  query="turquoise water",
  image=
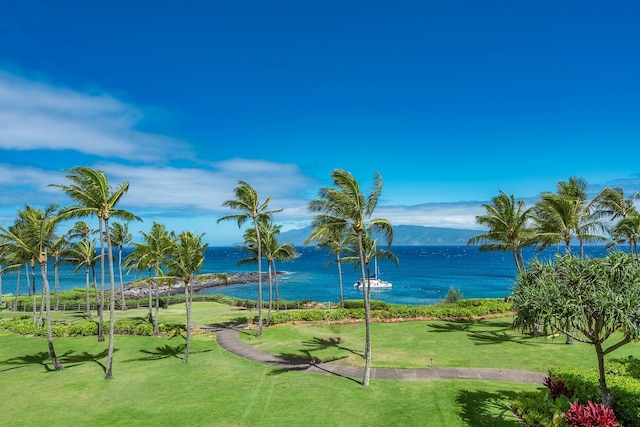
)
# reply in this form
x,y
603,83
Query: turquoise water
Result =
x,y
423,276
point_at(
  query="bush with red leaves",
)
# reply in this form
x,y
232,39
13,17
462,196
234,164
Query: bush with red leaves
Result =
x,y
590,415
557,388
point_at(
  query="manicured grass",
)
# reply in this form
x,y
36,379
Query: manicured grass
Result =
x,y
489,343
152,387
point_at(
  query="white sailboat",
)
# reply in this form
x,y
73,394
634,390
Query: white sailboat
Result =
x,y
374,281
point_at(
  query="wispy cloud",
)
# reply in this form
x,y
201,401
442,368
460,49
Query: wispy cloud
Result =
x,y
451,215
35,115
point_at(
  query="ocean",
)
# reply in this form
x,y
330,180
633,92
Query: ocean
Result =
x,y
424,274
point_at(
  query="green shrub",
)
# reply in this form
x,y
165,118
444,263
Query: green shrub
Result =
x,y
453,296
625,391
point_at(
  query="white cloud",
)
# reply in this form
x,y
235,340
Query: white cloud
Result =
x,y
450,215
36,115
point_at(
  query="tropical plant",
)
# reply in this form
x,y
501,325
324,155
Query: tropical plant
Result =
x,y
344,207
335,241
82,254
150,255
627,230
588,300
560,217
509,228
590,414
248,203
273,251
120,236
184,260
36,236
95,197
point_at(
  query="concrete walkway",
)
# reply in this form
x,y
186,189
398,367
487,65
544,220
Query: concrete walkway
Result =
x,y
228,338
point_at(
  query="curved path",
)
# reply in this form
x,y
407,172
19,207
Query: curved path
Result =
x,y
228,338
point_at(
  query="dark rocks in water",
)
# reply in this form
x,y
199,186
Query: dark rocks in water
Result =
x,y
198,283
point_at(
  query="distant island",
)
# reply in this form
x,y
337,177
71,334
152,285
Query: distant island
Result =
x,y
404,235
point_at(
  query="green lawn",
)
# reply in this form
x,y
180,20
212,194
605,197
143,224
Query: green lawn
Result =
x,y
487,343
152,387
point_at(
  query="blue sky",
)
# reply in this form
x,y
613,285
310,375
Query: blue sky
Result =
x,y
451,101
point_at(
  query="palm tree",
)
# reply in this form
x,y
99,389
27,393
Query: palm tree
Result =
x,y
83,254
335,240
247,202
611,203
273,251
58,247
565,215
36,238
345,208
120,236
186,258
148,255
91,190
627,230
509,230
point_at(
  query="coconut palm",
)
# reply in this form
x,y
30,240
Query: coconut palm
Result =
x,y
120,236
248,203
345,208
148,255
335,241
612,204
36,237
560,217
185,259
82,254
627,230
273,251
95,197
509,228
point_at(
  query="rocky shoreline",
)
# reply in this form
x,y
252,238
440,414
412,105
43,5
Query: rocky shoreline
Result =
x,y
205,281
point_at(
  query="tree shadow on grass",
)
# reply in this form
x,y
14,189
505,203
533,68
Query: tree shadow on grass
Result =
x,y
316,344
482,408
40,358
71,360
499,337
164,352
462,326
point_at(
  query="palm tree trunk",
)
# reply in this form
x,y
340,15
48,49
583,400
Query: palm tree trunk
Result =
x,y
255,223
156,328
187,301
15,300
367,316
87,293
275,282
269,269
102,273
32,291
56,283
45,289
150,311
112,306
340,279
123,303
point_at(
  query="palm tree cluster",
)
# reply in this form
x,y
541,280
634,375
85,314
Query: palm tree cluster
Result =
x,y
559,219
33,240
